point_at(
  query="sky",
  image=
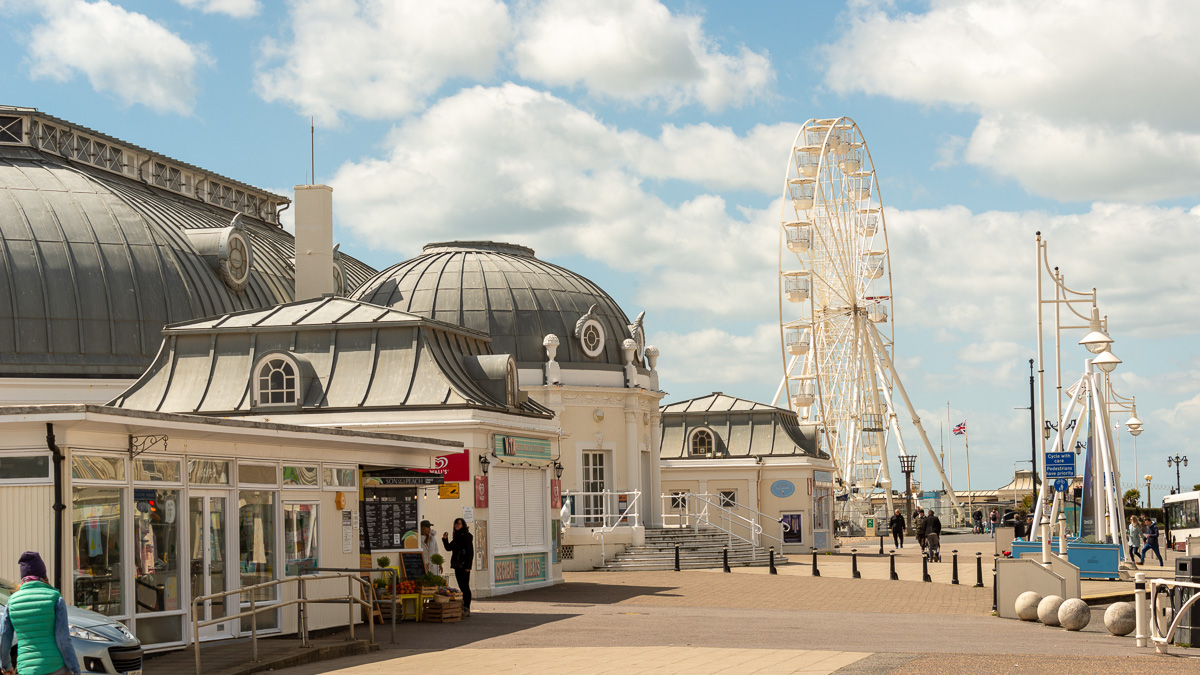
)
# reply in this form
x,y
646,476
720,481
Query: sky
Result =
x,y
642,144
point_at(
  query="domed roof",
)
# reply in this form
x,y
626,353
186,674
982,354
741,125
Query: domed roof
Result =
x,y
505,291
93,263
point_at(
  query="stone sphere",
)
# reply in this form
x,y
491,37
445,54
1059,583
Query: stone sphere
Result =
x,y
1074,614
1047,610
1119,618
1027,606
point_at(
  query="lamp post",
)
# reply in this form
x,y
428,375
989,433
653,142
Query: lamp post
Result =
x,y
1176,460
1148,477
907,465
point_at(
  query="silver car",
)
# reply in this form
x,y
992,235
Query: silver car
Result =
x,y
102,645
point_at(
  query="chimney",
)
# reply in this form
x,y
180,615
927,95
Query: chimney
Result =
x,y
314,241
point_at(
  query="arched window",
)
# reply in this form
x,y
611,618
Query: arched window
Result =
x,y
277,382
701,444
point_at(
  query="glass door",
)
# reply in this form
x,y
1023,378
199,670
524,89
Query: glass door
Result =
x,y
594,480
210,572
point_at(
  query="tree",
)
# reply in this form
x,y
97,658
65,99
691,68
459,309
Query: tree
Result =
x,y
1196,487
1133,496
1027,502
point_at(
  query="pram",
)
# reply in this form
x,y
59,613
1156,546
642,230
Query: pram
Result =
x,y
933,547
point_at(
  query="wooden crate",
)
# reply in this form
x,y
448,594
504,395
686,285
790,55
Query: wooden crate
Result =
x,y
442,612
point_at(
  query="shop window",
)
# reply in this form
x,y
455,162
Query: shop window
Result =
x,y
97,467
701,444
258,474
156,549
727,499
156,470
276,382
25,468
256,540
208,472
300,476
96,542
300,539
341,479
793,528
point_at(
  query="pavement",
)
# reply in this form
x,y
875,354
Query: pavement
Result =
x,y
749,622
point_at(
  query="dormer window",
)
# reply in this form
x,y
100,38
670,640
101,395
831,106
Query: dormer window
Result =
x,y
701,444
277,382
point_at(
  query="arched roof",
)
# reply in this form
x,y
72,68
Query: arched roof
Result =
x,y
507,292
94,263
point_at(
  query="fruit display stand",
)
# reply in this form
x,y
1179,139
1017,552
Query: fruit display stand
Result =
x,y
441,609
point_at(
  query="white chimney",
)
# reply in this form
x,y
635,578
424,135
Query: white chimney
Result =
x,y
314,241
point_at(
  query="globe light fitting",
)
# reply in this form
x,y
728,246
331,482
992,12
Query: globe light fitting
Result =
x,y
1106,362
1096,341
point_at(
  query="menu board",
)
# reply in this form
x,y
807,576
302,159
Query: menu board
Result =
x,y
413,564
389,515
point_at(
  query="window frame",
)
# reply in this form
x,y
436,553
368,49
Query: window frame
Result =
x,y
327,485
246,485
316,504
712,443
583,333
725,503
256,380
48,479
316,466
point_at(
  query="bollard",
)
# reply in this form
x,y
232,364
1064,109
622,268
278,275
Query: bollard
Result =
x,y
954,569
995,564
773,570
925,568
815,572
854,564
895,577
1141,611
676,557
978,569
881,544
725,556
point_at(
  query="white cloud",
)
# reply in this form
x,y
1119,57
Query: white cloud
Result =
x,y
712,355
239,9
1184,416
1077,102
379,58
559,179
636,50
97,39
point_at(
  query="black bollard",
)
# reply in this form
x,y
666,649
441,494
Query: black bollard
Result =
x,y
979,570
815,572
881,544
676,557
854,564
995,558
925,568
773,570
725,557
895,577
954,560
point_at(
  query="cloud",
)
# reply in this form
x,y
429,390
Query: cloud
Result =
x,y
379,58
1184,416
94,38
239,9
713,355
1076,103
636,51
561,180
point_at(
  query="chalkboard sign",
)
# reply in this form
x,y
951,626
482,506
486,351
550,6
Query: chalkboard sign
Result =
x,y
388,515
413,564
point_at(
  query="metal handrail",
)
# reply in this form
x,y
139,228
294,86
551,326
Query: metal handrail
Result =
x,y
752,524
1161,640
389,571
302,601
604,515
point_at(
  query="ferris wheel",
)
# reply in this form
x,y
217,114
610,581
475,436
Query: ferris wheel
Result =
x,y
835,308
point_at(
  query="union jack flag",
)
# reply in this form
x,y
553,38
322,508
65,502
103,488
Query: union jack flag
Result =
x,y
961,429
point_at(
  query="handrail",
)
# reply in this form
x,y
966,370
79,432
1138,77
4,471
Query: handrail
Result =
x,y
302,600
1161,639
698,515
389,571
604,516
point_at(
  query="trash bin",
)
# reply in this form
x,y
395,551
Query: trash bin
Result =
x,y
1187,568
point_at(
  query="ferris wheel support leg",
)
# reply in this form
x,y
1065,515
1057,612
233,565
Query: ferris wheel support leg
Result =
x,y
885,478
887,360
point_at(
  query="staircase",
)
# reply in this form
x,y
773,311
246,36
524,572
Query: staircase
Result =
x,y
698,549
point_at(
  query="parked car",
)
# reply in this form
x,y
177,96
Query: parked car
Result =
x,y
102,645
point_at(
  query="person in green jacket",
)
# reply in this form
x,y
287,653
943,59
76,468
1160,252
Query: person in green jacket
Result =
x,y
37,617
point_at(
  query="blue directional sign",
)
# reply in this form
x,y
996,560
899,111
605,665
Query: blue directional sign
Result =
x,y
1060,465
1060,485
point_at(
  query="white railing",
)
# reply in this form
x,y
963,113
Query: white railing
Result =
x,y
604,512
690,509
1161,638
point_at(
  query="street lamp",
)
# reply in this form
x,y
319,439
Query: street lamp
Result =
x,y
1148,477
907,464
1096,341
1176,461
1106,362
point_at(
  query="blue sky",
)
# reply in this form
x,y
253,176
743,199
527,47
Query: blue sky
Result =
x,y
642,144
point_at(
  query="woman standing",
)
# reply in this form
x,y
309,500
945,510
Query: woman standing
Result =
x,y
462,555
37,616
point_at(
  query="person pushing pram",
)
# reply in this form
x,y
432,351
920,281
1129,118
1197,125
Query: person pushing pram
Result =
x,y
933,537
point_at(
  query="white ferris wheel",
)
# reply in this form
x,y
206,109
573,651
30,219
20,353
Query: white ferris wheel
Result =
x,y
835,310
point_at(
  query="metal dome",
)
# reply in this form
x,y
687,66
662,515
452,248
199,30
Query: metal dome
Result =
x,y
93,265
505,291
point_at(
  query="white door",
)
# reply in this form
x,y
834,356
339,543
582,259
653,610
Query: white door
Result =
x,y
595,479
211,568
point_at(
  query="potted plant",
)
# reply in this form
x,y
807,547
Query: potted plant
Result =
x,y
384,561
437,559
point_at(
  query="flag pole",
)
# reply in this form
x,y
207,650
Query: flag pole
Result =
x,y
967,445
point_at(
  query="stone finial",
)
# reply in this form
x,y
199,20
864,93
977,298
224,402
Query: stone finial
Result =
x,y
550,342
630,348
552,370
652,356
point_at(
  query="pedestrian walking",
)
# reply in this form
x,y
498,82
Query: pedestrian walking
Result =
x,y
896,525
1150,536
977,519
462,557
933,536
1019,527
919,527
1135,536
993,520
37,618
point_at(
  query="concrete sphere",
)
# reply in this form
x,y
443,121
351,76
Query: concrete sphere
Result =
x,y
1074,614
1027,606
1047,610
1119,618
